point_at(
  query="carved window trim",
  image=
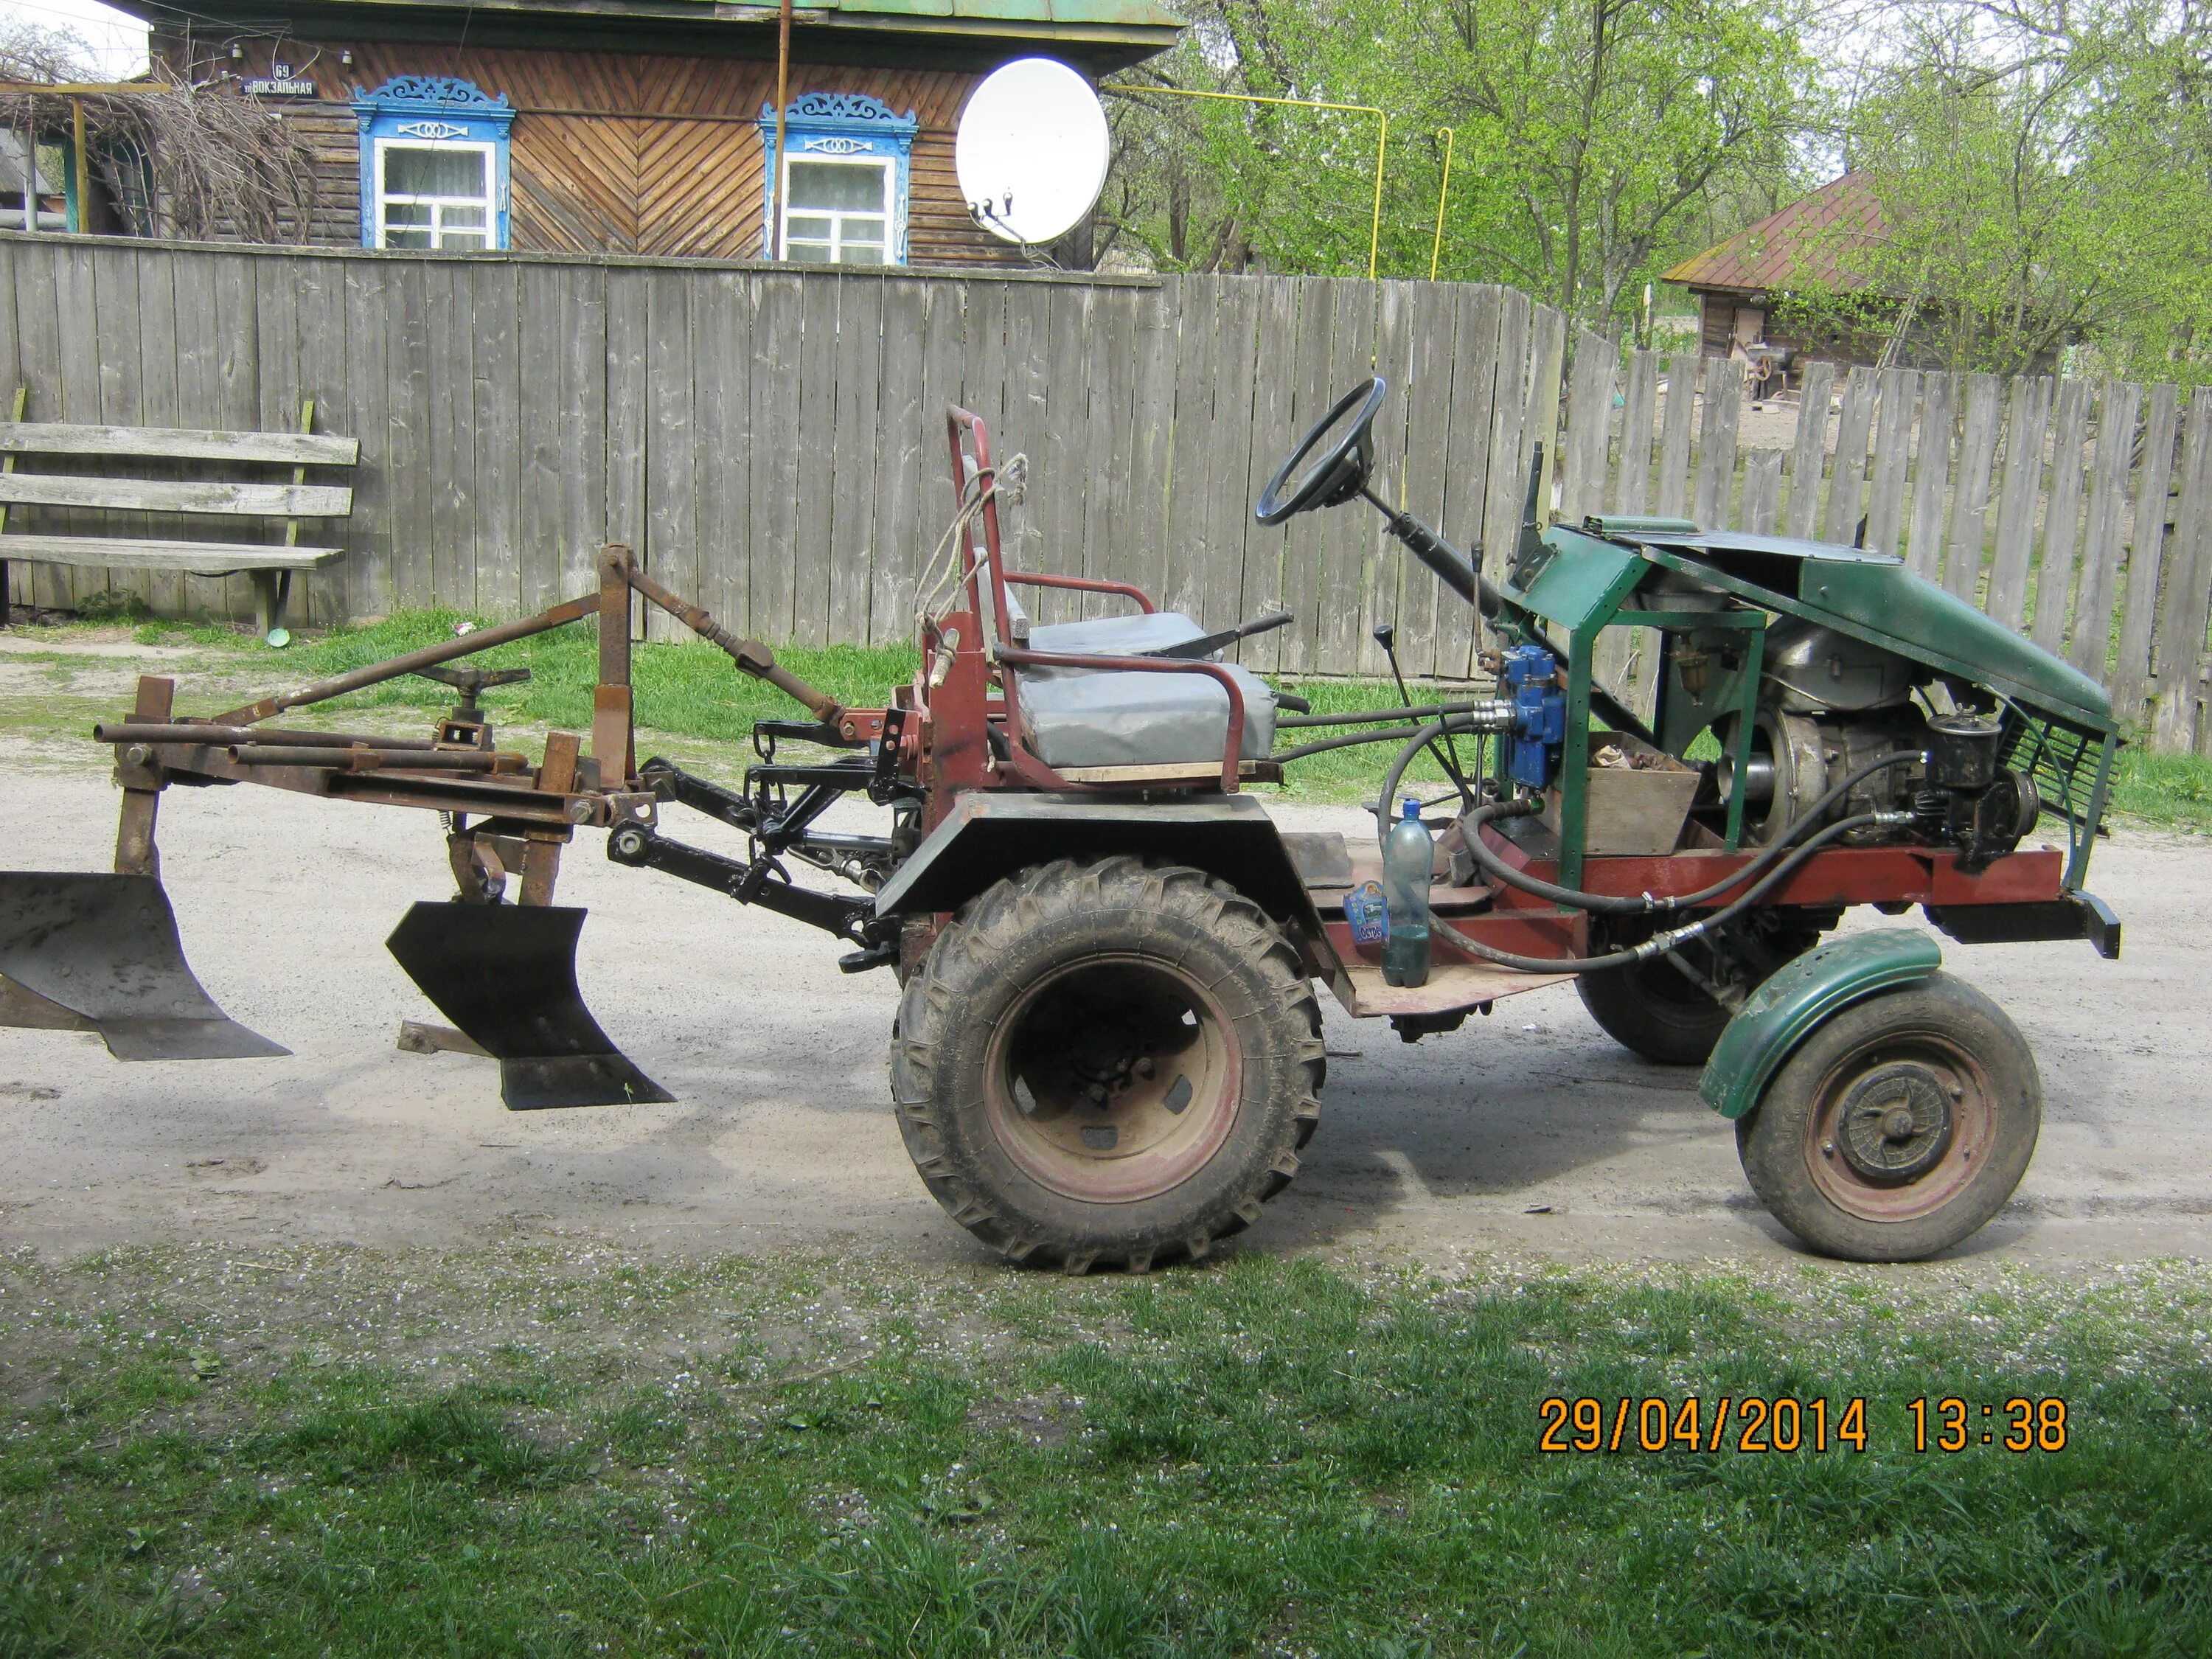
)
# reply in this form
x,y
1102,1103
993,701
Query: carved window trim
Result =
x,y
838,126
431,111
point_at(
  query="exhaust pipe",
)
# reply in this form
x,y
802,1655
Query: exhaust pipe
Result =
x,y
505,975
101,953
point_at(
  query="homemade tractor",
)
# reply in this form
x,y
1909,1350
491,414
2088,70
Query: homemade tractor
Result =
x,y
1108,1050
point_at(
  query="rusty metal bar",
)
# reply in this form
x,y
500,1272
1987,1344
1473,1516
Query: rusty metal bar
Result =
x,y
428,656
223,736
613,728
136,853
749,655
364,758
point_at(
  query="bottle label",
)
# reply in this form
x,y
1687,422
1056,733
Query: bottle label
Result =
x,y
1369,916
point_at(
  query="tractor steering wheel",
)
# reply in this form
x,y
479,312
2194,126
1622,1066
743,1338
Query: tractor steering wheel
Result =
x,y
1340,472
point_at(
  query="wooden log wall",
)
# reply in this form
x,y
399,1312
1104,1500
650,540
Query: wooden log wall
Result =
x,y
2078,513
623,152
771,438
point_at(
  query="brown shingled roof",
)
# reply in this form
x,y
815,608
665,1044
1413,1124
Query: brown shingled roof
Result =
x,y
1810,244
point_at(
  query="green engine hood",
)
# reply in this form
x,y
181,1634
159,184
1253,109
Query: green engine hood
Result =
x,y
1874,596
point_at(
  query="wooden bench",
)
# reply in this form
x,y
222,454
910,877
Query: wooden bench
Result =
x,y
271,565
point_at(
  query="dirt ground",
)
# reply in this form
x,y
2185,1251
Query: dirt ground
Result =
x,y
1528,1132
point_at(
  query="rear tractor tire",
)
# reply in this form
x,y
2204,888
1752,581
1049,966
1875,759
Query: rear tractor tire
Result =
x,y
1900,1126
1655,1010
1111,1063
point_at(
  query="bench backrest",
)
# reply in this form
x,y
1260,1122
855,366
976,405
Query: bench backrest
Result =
x,y
296,500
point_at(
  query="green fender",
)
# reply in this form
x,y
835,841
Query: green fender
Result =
x,y
1782,1012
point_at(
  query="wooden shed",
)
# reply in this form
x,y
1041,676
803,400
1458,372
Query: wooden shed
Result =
x,y
1811,245
641,126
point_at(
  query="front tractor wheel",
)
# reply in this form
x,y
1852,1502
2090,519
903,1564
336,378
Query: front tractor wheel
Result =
x,y
1902,1125
1111,1063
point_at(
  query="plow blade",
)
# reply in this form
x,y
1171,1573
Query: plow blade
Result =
x,y
101,953
505,975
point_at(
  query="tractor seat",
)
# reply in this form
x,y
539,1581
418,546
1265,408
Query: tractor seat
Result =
x,y
1126,717
1138,636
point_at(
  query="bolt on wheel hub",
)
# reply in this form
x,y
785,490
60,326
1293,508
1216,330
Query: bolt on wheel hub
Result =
x,y
1895,1123
1113,1080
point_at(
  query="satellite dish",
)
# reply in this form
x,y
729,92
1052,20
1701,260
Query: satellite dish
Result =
x,y
1031,151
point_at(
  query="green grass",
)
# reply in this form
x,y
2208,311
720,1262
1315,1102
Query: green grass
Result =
x,y
688,690
2171,791
516,1453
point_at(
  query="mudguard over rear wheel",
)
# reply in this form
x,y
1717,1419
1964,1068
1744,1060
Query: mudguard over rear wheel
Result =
x,y
1111,1063
1900,1126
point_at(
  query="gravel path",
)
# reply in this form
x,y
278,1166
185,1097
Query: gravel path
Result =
x,y
1529,1131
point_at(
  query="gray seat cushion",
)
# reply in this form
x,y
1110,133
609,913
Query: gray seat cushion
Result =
x,y
1139,635
1125,717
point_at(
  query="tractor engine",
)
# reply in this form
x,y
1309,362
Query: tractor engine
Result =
x,y
1829,704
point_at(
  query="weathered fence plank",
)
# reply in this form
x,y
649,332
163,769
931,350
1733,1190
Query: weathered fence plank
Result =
x,y
2089,644
1899,394
1252,409
1673,494
2027,424
1931,473
898,465
1717,443
672,523
849,551
1590,416
2054,581
2131,681
1978,452
1639,410
2180,651
1476,341
1847,478
1762,491
1808,460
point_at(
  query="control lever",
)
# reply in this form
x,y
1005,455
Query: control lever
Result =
x,y
1386,636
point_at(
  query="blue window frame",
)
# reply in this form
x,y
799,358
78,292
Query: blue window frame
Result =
x,y
845,180
432,164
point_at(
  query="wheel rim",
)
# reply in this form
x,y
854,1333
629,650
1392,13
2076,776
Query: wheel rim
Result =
x,y
1900,1126
1113,1080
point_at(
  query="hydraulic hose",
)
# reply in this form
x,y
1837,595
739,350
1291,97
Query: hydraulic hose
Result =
x,y
1413,745
1644,904
1659,943
1350,740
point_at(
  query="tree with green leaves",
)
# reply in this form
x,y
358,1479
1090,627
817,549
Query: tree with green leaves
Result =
x,y
1591,138
2044,170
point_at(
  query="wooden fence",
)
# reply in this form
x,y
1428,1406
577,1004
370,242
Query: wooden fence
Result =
x,y
772,440
2078,513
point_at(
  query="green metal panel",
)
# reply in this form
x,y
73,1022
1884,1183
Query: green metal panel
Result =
x,y
1632,529
1886,604
1583,580
1891,599
1782,1012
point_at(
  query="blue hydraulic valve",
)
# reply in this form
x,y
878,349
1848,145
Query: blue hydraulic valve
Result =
x,y
1529,681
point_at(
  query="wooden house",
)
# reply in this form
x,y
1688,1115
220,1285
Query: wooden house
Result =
x,y
1811,245
641,126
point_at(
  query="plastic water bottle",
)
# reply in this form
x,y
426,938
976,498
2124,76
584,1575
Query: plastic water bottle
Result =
x,y
1408,855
